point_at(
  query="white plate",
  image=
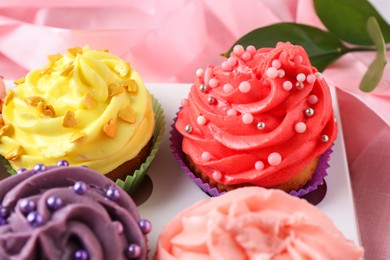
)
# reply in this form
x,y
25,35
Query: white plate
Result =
x,y
173,191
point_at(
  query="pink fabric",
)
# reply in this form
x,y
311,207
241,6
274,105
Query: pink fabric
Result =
x,y
166,41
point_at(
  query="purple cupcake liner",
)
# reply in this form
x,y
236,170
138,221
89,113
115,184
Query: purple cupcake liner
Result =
x,y
176,147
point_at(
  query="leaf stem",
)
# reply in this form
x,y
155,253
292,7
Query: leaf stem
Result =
x,y
356,49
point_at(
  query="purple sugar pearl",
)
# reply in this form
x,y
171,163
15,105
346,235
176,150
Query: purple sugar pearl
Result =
x,y
4,212
133,251
62,163
34,219
26,206
40,167
145,225
21,170
112,193
81,254
54,203
80,188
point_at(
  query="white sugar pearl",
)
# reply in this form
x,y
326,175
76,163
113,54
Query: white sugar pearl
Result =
x,y
272,72
231,112
217,175
247,118
259,165
276,64
199,72
300,127
227,88
312,99
244,87
301,77
274,159
201,120
318,75
281,73
311,78
206,156
287,85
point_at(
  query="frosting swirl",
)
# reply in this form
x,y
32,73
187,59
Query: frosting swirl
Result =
x,y
88,107
267,109
253,223
57,212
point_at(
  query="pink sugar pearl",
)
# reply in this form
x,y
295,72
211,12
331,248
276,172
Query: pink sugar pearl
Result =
x,y
227,88
213,82
206,156
274,159
231,112
199,72
217,175
244,87
225,66
272,72
300,127
259,165
238,50
312,99
247,118
251,49
231,61
246,56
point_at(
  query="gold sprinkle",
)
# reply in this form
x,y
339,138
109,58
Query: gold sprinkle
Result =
x,y
127,114
69,120
115,89
48,111
89,101
33,100
9,97
14,153
41,106
54,57
47,69
110,128
19,81
77,136
3,129
68,69
122,69
130,85
75,51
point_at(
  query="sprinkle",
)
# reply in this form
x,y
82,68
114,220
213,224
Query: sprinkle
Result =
x,y
21,170
39,167
244,87
217,175
54,203
274,159
67,69
130,85
225,66
324,138
126,113
206,156
211,100
188,129
4,128
272,72
246,56
89,101
14,153
238,50
133,251
54,57
75,51
259,165
80,254
298,59
300,127
48,111
201,120
311,78
281,73
69,120
26,206
213,82
276,64
112,193
122,69
80,187
199,73
33,100
62,163
318,75
231,112
299,85
34,219
251,49
301,77
115,89
227,88
19,81
260,125
287,85
309,112
312,99
145,226
247,118
203,87
231,61
110,128
77,136
4,212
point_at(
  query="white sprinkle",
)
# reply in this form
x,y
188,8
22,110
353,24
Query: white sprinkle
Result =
x,y
244,87
272,72
287,85
276,64
318,75
206,156
201,120
231,112
199,72
312,99
300,127
311,78
227,88
217,175
259,165
301,77
281,73
274,159
247,118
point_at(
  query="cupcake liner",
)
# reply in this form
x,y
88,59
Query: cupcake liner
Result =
x,y
131,182
175,145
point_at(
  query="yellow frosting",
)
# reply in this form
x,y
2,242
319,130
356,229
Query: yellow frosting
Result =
x,y
87,107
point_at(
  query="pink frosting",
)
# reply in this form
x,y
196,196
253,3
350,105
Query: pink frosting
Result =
x,y
253,223
272,102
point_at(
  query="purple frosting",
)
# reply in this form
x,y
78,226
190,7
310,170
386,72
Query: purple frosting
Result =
x,y
65,224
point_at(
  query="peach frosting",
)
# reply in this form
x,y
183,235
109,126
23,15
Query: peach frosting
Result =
x,y
253,223
260,117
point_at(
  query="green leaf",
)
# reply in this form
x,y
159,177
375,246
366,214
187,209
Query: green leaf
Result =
x,y
375,71
322,47
348,19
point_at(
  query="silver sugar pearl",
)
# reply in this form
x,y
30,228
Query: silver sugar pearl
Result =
x,y
211,100
188,128
324,138
309,112
260,125
203,87
299,85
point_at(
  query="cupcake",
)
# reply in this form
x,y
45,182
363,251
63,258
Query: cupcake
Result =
x,y
262,118
253,223
88,107
62,212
